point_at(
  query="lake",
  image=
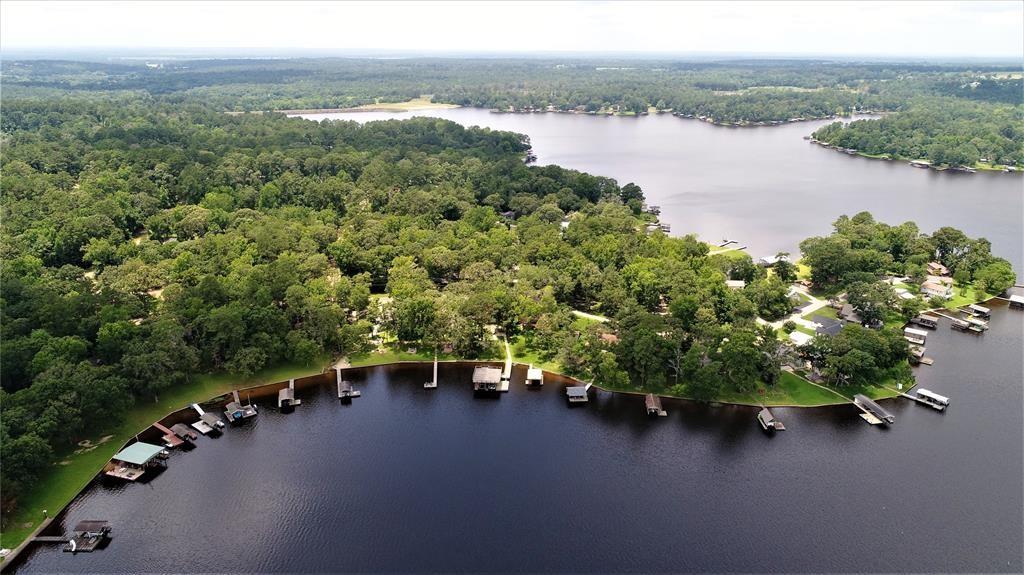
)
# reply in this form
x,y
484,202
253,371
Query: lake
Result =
x,y
765,187
412,480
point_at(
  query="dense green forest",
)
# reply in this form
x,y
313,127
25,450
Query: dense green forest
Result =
x,y
944,131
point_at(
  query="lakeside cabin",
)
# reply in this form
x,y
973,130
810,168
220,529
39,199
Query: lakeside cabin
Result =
x,y
486,379
133,461
768,421
534,376
1017,301
915,336
926,320
653,405
871,408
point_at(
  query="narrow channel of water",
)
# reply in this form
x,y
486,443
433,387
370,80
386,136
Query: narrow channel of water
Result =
x,y
414,480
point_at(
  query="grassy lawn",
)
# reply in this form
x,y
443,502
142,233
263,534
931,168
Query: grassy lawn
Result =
x,y
421,103
523,352
73,471
394,352
964,296
826,311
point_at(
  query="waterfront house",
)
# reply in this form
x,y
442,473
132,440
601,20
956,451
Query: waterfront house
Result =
x,y
827,325
937,269
847,313
937,286
735,284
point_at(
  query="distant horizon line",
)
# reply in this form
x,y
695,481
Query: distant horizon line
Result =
x,y
183,53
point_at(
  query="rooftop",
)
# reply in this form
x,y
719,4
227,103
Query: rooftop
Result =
x,y
138,453
486,375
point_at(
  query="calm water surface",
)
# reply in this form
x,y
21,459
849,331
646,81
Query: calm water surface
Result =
x,y
412,480
766,187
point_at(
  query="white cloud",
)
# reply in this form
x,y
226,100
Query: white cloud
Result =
x,y
959,29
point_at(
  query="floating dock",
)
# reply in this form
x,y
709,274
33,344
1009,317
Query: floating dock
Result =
x,y
869,407
486,379
652,403
432,384
534,376
768,421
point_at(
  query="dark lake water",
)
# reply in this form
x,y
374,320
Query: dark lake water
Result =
x,y
766,187
412,480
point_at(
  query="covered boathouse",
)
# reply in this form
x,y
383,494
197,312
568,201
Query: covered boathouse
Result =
x,y
869,406
486,379
534,376
653,405
132,462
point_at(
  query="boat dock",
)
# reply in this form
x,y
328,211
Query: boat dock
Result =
x,y
133,461
1016,301
211,420
926,320
873,413
768,421
170,438
345,390
286,397
86,537
432,384
486,379
577,394
915,336
652,403
183,431
235,412
929,398
534,376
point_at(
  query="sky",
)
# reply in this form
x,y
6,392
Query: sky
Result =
x,y
920,29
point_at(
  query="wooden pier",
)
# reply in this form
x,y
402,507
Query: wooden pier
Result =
x,y
432,384
170,438
506,374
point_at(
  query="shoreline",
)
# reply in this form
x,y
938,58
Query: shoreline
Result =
x,y
268,388
918,163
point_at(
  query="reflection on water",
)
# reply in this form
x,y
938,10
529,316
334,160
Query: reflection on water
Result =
x,y
408,479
